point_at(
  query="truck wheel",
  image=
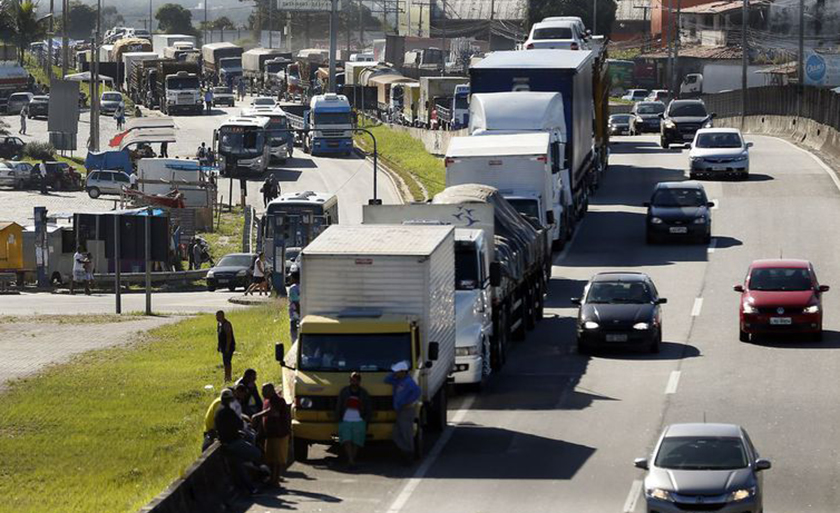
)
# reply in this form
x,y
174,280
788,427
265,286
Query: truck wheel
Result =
x,y
300,448
664,143
519,333
418,441
498,343
437,420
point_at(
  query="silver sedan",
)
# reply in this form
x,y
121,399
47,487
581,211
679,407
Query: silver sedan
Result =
x,y
719,152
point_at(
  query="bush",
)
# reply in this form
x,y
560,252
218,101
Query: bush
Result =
x,y
38,150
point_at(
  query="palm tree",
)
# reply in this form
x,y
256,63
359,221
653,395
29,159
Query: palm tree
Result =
x,y
21,25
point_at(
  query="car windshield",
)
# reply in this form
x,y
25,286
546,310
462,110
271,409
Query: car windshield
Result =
x,y
526,207
40,98
111,97
240,140
553,33
650,108
235,261
620,118
679,198
695,110
701,453
636,93
780,279
19,97
221,90
619,292
362,352
332,118
466,267
718,140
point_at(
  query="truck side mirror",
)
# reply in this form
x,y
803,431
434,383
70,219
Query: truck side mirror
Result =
x,y
713,115
434,350
279,352
495,274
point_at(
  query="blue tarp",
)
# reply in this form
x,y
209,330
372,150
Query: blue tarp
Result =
x,y
109,160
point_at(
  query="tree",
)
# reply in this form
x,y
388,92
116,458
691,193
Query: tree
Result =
x,y
111,17
20,25
222,23
81,20
174,19
540,9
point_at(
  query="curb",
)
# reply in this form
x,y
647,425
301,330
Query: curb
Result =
x,y
396,180
253,301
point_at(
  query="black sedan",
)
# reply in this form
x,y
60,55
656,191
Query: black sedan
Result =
x,y
619,124
679,210
39,107
233,270
619,309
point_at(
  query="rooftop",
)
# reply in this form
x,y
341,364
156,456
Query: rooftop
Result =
x,y
778,262
721,7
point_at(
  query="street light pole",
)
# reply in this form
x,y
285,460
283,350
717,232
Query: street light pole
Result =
x,y
594,17
65,52
745,22
375,200
150,17
50,48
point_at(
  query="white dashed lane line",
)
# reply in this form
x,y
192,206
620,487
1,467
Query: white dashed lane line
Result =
x,y
673,382
698,306
633,496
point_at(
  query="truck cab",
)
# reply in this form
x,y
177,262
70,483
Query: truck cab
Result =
x,y
330,124
229,69
182,92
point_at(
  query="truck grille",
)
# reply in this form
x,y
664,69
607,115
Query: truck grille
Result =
x,y
333,133
328,403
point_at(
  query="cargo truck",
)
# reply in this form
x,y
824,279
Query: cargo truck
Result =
x,y
371,296
274,74
179,87
129,45
474,267
253,62
328,122
130,62
432,90
212,55
569,73
181,54
534,113
162,41
520,263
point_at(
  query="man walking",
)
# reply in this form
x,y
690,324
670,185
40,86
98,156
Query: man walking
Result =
x,y
201,153
406,393
208,100
24,112
79,272
227,342
353,412
164,149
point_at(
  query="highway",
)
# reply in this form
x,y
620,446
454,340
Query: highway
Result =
x,y
558,431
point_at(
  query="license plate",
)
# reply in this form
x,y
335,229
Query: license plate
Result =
x,y
781,321
222,281
718,169
616,337
332,144
678,229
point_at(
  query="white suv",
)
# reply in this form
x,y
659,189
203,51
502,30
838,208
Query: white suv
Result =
x,y
557,33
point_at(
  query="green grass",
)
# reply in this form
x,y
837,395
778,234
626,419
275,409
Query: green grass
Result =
x,y
228,237
111,430
407,157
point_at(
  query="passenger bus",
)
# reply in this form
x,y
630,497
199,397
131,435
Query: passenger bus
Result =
x,y
242,147
282,137
291,222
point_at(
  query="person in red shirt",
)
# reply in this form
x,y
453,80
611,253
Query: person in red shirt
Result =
x,y
277,426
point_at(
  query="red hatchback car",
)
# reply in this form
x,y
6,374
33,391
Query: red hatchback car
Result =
x,y
781,296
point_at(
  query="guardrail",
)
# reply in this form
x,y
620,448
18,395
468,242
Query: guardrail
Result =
x,y
157,277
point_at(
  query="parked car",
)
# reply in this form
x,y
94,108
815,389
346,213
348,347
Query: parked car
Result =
x,y
232,271
39,107
719,152
619,309
681,121
704,467
223,96
635,95
15,174
106,182
263,102
646,117
11,147
659,95
17,101
60,177
557,34
781,296
619,124
110,101
679,210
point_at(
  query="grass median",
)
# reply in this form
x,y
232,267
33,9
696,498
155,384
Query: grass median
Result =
x,y
407,157
111,430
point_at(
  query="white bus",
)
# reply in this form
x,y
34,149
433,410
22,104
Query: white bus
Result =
x,y
281,134
242,146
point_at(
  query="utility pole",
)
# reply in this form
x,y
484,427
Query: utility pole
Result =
x,y
801,63
675,81
445,52
270,24
594,17
151,19
361,27
670,37
148,260
333,37
205,21
50,48
94,99
745,23
65,52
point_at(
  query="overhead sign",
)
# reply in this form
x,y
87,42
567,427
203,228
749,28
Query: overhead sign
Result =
x,y
308,5
822,69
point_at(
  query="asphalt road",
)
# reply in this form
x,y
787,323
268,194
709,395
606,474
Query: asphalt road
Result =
x,y
558,431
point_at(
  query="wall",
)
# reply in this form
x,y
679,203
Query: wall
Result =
x,y
435,141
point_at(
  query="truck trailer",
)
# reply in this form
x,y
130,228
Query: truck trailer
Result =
x,y
163,41
212,55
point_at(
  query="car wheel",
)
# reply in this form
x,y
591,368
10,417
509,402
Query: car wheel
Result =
x,y
211,288
93,192
692,175
584,347
743,336
656,343
232,288
649,238
664,143
707,239
744,177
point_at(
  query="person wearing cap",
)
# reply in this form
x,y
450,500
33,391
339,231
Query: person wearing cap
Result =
x,y
228,427
406,393
353,411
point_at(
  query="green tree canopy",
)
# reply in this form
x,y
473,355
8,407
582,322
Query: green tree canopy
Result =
x,y
223,23
20,25
540,9
81,20
174,19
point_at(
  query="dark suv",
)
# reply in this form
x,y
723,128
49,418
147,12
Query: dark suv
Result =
x,y
11,147
646,117
681,120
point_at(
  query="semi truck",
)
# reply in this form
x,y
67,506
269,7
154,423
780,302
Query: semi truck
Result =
x,y
253,62
432,91
179,87
474,259
162,41
371,296
328,122
571,74
130,62
520,263
534,113
213,55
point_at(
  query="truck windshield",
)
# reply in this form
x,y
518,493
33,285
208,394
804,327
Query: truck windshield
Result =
x,y
274,67
462,102
182,83
466,267
230,62
363,352
332,118
526,207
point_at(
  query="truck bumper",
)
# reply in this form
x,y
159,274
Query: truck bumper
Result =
x,y
324,145
327,432
468,370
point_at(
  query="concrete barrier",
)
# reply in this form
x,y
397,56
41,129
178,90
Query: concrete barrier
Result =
x,y
157,277
435,141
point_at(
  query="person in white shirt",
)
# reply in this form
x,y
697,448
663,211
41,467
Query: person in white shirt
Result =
x,y
42,176
79,272
258,281
132,181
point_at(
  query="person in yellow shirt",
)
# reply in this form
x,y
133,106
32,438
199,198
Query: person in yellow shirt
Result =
x,y
210,419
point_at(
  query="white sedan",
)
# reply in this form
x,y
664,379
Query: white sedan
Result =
x,y
719,152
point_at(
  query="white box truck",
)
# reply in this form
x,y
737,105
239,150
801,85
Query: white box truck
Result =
x,y
161,41
371,296
130,61
473,290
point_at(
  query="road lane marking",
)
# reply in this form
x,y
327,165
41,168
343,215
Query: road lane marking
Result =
x,y
673,382
633,496
712,244
414,481
698,306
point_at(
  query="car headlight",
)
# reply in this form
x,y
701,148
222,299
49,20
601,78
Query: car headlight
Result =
x,y
741,158
590,325
659,493
695,159
670,124
749,309
641,326
243,272
466,351
812,309
655,220
700,220
739,495
210,274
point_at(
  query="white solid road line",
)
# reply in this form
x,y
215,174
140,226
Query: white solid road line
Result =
x,y
818,160
673,382
698,306
411,485
712,244
633,496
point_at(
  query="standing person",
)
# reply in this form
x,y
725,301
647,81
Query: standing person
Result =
x,y
277,426
201,153
119,115
88,273
266,191
24,112
190,250
164,149
227,342
353,411
208,101
406,393
253,403
294,306
228,425
132,181
79,273
42,176
258,278
241,90
275,187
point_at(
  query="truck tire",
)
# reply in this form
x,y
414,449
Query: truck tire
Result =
x,y
438,411
300,449
419,439
519,333
498,343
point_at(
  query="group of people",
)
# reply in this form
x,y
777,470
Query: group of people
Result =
x,y
270,190
198,252
82,270
206,156
253,430
260,277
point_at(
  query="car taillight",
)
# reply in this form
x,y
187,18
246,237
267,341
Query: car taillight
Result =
x,y
575,46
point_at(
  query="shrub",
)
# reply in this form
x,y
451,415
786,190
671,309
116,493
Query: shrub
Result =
x,y
38,150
